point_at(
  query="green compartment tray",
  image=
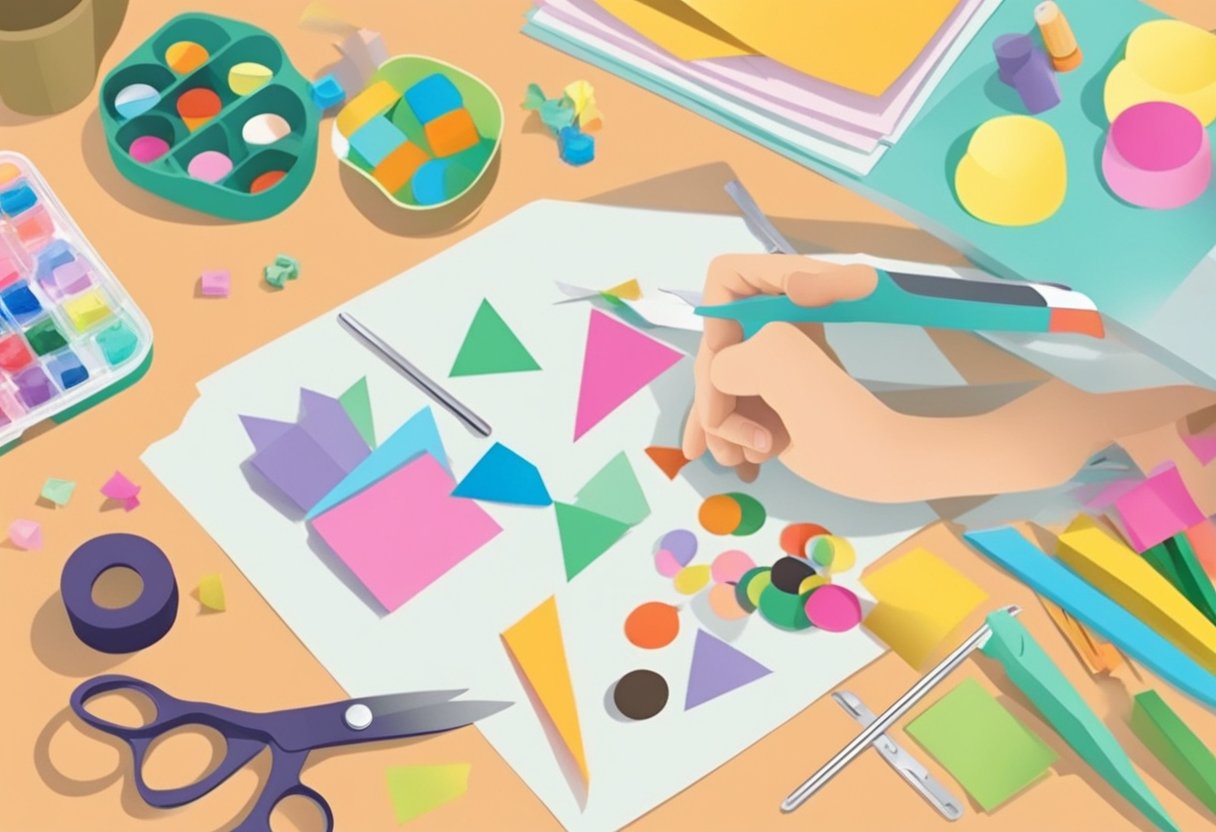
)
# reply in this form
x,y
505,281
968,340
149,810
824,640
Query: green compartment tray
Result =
x,y
226,43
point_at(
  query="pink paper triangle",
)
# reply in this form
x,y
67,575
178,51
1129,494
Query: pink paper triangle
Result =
x,y
618,361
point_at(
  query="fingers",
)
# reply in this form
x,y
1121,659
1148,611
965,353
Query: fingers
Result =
x,y
747,434
693,444
825,287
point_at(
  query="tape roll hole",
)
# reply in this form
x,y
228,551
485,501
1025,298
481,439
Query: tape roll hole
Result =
x,y
117,587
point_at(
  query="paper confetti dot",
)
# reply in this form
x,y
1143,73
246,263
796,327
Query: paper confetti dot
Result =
x,y
833,608
834,553
795,536
682,543
783,609
756,584
729,566
813,582
724,604
667,564
640,694
789,572
692,579
752,514
652,625
720,514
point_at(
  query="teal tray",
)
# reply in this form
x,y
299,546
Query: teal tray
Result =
x,y
286,94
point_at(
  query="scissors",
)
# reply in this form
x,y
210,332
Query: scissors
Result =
x,y
290,735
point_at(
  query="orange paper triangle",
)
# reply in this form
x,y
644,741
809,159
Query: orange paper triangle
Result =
x,y
669,460
535,642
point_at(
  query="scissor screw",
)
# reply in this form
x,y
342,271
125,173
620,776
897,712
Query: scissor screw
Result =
x,y
358,717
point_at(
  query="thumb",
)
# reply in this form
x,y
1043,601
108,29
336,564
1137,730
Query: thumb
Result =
x,y
823,288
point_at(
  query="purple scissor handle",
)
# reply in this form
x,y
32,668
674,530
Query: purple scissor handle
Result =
x,y
290,735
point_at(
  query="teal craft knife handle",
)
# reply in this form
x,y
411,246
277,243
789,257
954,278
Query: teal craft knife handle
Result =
x,y
1037,676
1021,307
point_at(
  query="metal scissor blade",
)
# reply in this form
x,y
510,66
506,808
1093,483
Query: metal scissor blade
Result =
x,y
907,766
431,719
760,225
412,699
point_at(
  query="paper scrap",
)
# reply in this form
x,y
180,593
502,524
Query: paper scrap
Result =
x,y
717,669
211,593
618,361
1130,581
503,476
25,534
331,427
1175,561
357,403
615,492
121,490
535,642
983,746
670,460
1156,509
1175,744
629,290
57,491
921,601
416,790
1095,652
585,536
418,435
491,347
403,533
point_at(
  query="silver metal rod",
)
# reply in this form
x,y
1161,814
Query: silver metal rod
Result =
x,y
760,226
888,717
419,378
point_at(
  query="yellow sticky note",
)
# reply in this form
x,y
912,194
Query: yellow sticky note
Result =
x,y
1130,581
535,642
1165,60
921,601
675,27
629,290
1013,173
211,593
861,45
416,790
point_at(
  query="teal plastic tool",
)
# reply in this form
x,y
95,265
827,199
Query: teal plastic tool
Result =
x,y
1037,676
1045,575
243,148
931,301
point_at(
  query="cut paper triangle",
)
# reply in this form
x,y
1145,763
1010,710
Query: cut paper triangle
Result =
x,y
418,435
585,536
416,790
264,432
718,668
618,361
669,460
491,347
615,493
358,406
629,290
535,642
326,421
503,476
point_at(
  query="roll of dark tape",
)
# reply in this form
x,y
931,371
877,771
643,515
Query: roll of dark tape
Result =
x,y
125,629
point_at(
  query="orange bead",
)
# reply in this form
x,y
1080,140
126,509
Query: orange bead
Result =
x,y
398,167
452,132
264,181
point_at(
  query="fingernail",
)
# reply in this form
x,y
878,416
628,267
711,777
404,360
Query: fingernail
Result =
x,y
761,440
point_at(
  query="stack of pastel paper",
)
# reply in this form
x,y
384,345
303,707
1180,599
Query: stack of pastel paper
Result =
x,y
389,513
836,82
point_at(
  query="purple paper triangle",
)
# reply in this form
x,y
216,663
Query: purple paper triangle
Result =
x,y
326,421
263,432
718,668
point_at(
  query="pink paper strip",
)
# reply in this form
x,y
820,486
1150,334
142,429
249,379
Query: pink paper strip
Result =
x,y
1157,509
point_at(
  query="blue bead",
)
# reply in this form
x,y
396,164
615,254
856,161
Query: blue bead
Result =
x,y
430,182
376,139
21,303
433,97
18,199
326,92
68,369
575,147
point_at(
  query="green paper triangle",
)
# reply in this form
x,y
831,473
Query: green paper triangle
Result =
x,y
491,347
585,536
358,406
416,790
615,493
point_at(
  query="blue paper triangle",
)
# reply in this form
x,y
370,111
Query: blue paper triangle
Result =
x,y
503,476
417,436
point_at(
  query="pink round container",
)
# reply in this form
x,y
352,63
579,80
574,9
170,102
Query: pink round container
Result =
x,y
1157,155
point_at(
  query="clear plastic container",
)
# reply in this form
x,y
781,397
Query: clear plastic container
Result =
x,y
69,332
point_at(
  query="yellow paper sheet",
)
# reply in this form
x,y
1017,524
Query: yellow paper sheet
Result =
x,y
416,790
535,642
673,26
921,601
862,45
1129,580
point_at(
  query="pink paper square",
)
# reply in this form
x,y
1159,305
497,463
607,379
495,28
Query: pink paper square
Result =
x,y
406,531
1157,509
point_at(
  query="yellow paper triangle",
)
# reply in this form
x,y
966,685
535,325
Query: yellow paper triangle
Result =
x,y
535,642
211,593
629,290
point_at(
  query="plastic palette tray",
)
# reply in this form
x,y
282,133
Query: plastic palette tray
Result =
x,y
70,335
403,131
156,130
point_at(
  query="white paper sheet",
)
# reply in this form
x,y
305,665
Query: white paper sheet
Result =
x,y
448,635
